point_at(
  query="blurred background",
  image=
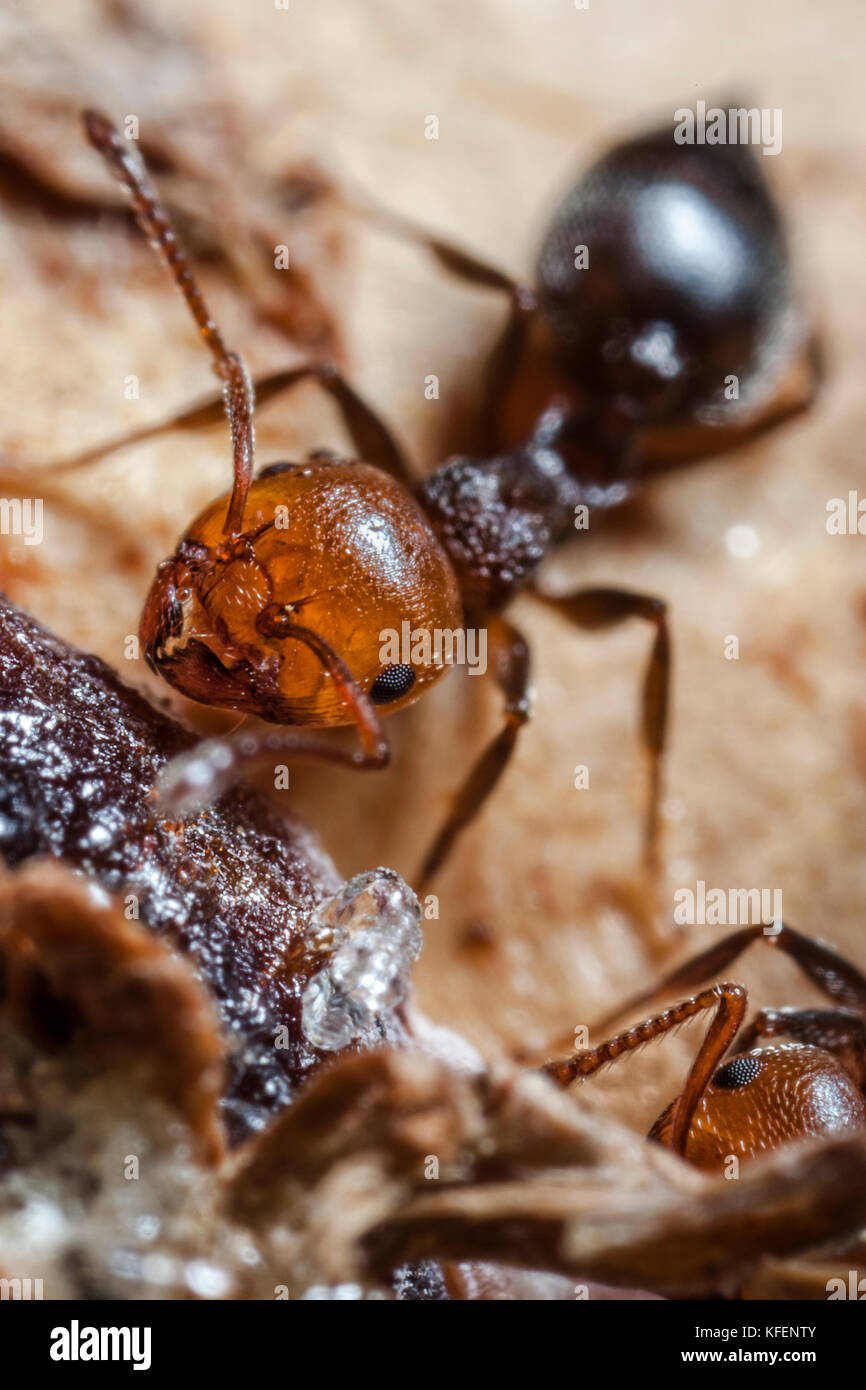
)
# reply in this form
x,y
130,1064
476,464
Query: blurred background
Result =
x,y
544,922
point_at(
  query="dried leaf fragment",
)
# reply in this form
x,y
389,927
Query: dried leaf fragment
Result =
x,y
524,1176
77,973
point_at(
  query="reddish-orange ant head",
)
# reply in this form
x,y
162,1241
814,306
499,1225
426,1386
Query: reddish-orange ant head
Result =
x,y
301,595
340,549
810,1085
766,1097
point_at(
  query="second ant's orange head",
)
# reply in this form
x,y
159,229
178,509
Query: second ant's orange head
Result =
x,y
337,547
766,1097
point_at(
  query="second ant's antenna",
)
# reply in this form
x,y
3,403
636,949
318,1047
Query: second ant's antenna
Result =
x,y
238,393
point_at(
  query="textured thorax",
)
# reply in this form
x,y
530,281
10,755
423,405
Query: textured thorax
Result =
x,y
497,519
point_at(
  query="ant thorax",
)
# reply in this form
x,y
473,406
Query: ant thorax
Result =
x,y
497,518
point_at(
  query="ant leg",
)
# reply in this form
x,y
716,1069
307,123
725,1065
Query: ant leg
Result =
x,y
840,1031
192,780
502,363
452,258
823,965
511,655
597,609
820,963
373,440
370,435
794,394
729,1002
473,271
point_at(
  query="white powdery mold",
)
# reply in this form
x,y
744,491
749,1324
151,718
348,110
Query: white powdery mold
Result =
x,y
371,933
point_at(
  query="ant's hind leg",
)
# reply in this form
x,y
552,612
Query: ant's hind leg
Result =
x,y
472,270
599,609
511,656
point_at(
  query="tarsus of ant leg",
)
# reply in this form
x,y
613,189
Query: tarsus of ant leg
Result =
x,y
729,1001
464,264
238,394
194,779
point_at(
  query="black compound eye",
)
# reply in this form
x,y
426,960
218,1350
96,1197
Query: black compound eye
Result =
x,y
738,1072
392,684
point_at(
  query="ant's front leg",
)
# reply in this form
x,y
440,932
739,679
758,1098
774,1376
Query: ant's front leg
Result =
x,y
820,963
599,609
370,435
511,669
194,779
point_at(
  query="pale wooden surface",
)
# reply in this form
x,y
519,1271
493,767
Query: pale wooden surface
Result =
x,y
767,774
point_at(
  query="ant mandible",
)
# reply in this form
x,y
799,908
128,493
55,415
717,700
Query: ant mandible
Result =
x,y
745,1102
287,623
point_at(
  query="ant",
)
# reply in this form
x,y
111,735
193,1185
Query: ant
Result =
x,y
744,1102
277,598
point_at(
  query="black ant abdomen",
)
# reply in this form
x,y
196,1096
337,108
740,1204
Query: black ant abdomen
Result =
x,y
663,275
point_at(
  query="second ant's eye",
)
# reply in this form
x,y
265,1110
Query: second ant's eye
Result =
x,y
738,1072
392,684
